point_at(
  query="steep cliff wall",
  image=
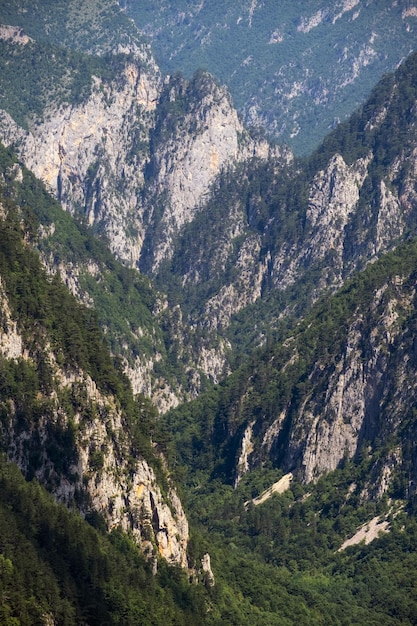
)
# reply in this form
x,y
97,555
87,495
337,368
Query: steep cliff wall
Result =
x,y
197,136
74,434
307,231
86,459
92,155
138,157
355,396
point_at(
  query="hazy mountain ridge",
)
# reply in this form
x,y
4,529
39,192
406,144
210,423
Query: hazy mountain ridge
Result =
x,y
293,70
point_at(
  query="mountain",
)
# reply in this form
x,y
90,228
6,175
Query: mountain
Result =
x,y
301,230
338,386
129,173
164,158
157,255
56,568
60,385
61,405
70,423
294,70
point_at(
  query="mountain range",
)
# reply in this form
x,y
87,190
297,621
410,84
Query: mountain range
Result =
x,y
295,70
207,343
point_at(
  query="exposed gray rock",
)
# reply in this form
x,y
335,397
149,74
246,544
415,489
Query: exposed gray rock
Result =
x,y
246,450
103,477
123,490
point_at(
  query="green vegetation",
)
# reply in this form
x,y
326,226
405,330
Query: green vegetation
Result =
x,y
49,317
280,558
46,306
391,101
272,379
52,563
55,566
125,303
36,74
276,563
84,25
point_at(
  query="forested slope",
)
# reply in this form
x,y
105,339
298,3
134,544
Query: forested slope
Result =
x,y
331,407
70,422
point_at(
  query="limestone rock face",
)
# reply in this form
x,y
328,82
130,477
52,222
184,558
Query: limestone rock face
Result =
x,y
99,471
138,158
246,450
336,432
14,34
191,150
333,200
353,401
126,492
334,195
11,344
244,290
207,571
100,476
82,154
96,156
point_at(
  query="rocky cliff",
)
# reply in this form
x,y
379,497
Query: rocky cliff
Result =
x,y
66,426
137,156
197,136
82,153
306,229
341,387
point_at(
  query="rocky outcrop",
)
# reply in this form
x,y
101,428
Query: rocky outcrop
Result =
x,y
123,489
243,291
350,412
332,238
11,344
92,155
99,474
14,34
334,195
85,456
208,575
246,450
198,137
